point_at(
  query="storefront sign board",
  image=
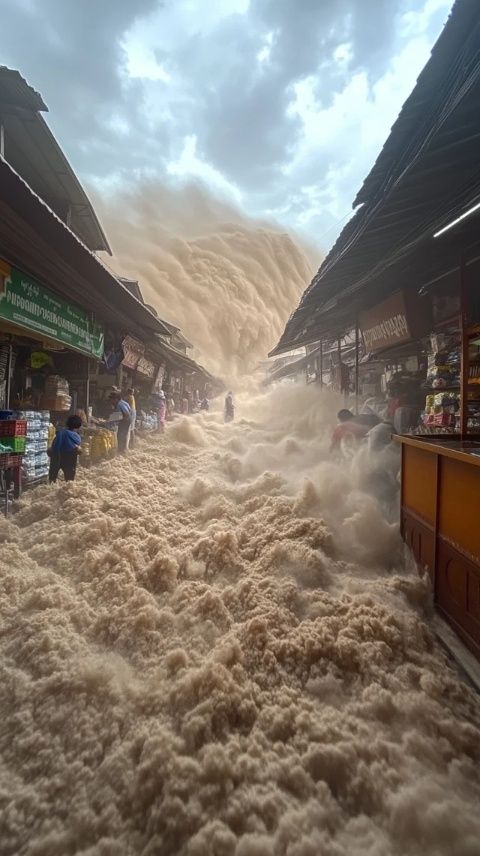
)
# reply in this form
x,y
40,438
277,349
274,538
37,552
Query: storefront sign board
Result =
x,y
159,379
26,303
146,367
386,324
133,351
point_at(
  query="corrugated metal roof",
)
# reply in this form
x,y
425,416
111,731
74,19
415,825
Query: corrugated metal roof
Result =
x,y
425,109
133,287
35,240
421,180
14,90
34,153
180,361
170,328
178,335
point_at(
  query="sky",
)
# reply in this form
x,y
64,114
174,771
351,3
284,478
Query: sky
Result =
x,y
280,106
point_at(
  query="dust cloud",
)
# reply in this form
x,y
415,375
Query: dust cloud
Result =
x,y
229,282
216,648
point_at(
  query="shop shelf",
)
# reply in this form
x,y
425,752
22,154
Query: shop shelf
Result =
x,y
13,428
16,444
10,461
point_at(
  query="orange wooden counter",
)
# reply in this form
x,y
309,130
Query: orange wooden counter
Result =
x,y
440,522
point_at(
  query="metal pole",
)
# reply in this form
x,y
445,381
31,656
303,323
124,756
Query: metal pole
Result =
x,y
340,374
356,364
8,377
464,363
87,387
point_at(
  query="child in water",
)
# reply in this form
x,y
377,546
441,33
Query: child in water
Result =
x,y
65,450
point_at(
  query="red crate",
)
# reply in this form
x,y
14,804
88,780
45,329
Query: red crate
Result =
x,y
13,428
10,461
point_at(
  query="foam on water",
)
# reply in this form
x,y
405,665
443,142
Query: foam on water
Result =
x,y
215,647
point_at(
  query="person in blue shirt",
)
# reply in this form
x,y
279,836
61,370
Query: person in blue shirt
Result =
x,y
122,409
65,450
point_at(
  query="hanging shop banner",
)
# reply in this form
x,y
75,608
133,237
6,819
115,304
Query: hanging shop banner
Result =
x,y
133,351
386,324
159,379
146,368
26,303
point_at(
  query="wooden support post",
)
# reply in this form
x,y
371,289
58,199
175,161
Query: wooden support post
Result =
x,y
464,362
8,377
87,387
357,343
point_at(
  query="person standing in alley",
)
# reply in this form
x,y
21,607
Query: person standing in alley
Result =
x,y
65,450
229,411
130,399
162,411
122,416
159,404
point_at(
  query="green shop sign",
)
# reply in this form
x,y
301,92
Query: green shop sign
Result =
x,y
26,303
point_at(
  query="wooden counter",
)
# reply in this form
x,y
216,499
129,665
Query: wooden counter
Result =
x,y
440,522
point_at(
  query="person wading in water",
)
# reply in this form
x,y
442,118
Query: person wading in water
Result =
x,y
122,409
229,411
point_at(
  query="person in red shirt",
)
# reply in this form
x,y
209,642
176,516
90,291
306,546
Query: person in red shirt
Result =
x,y
352,427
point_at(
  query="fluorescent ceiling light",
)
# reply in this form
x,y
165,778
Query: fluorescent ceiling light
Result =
x,y
457,220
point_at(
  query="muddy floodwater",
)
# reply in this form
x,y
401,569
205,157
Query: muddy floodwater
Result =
x,y
215,648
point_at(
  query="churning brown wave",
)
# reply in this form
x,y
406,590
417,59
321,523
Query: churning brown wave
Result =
x,y
229,282
214,648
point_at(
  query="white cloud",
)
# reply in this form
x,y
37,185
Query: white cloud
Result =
x,y
141,62
265,51
283,105
418,21
349,133
189,165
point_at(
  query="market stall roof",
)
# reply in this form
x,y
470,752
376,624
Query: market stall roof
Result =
x,y
426,175
32,150
133,287
181,339
294,367
178,360
36,241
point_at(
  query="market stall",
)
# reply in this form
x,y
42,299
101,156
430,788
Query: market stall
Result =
x,y
12,448
439,522
440,482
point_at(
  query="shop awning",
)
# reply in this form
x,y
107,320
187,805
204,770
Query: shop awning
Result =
x,y
179,361
36,241
32,150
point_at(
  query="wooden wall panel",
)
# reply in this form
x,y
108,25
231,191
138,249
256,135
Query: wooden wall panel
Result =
x,y
421,540
459,506
419,482
458,591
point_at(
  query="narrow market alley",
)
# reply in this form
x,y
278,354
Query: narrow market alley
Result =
x,y
216,646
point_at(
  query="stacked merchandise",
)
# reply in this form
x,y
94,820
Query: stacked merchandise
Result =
x,y
35,460
97,443
4,351
12,440
444,361
442,411
57,394
51,434
146,421
442,408
473,393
